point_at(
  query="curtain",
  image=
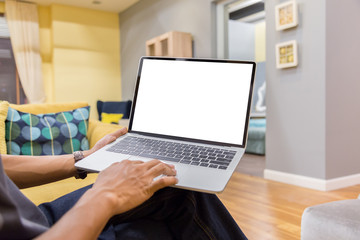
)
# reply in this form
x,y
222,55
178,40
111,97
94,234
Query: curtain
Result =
x,y
23,25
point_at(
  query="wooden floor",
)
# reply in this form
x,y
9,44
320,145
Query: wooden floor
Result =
x,y
271,210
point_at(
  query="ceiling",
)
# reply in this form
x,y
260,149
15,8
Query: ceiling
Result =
x,y
103,5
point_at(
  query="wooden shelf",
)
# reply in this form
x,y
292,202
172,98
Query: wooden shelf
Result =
x,y
170,44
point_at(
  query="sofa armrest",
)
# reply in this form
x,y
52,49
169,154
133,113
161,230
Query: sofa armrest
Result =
x,y
51,191
98,130
333,220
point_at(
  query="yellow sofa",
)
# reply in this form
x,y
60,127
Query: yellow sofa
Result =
x,y
51,191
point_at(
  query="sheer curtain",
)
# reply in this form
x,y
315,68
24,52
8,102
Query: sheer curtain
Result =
x,y
23,25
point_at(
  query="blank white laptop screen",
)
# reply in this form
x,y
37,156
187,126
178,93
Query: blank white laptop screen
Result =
x,y
193,99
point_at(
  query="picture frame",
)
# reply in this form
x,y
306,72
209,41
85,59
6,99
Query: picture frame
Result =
x,y
286,54
286,15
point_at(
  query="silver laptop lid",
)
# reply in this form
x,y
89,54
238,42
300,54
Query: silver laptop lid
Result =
x,y
201,100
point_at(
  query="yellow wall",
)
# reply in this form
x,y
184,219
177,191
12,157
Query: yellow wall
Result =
x,y
80,49
2,7
260,42
46,49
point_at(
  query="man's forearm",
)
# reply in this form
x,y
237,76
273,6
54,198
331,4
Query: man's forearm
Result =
x,y
85,220
28,171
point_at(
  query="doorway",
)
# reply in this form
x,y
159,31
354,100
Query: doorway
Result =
x,y
241,35
246,40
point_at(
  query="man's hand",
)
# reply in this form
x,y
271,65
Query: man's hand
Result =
x,y
119,188
108,139
130,183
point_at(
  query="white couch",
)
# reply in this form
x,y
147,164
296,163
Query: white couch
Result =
x,y
338,220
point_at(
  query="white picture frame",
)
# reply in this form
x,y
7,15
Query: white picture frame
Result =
x,y
286,15
286,54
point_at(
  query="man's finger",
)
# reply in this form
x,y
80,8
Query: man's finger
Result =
x,y
150,164
137,161
162,182
120,132
159,169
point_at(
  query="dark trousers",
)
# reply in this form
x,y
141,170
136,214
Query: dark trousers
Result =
x,y
170,214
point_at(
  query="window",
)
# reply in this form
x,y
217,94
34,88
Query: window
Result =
x,y
10,86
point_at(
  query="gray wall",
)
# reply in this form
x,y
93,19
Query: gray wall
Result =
x,y
150,18
342,88
313,110
295,97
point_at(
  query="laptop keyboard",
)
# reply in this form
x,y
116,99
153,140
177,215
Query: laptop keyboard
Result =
x,y
174,152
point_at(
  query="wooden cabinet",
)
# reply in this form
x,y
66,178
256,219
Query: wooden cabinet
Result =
x,y
170,44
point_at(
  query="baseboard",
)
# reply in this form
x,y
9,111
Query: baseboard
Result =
x,y
313,183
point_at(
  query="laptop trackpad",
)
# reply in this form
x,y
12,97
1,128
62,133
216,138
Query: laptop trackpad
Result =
x,y
98,161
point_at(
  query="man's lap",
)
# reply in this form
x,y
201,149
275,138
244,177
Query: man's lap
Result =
x,y
140,229
170,212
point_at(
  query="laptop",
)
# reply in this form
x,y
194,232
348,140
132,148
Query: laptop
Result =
x,y
192,113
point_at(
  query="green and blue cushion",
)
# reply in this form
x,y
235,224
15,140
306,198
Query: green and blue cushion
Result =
x,y
47,134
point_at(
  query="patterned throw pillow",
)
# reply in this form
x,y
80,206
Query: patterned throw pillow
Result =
x,y
46,134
